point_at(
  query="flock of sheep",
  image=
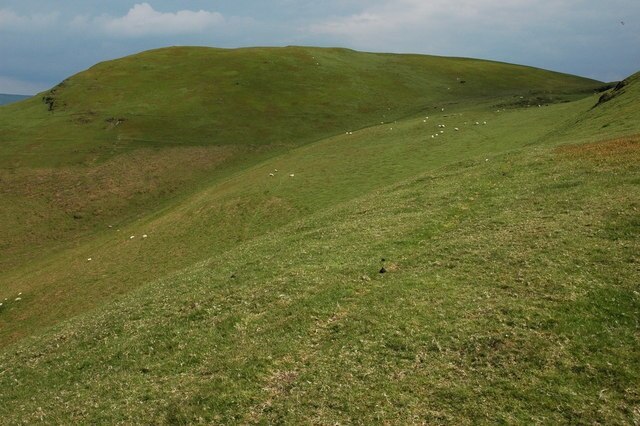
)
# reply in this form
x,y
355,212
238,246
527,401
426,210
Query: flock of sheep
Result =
x,y
442,126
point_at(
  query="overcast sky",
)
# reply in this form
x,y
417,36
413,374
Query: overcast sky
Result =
x,y
44,41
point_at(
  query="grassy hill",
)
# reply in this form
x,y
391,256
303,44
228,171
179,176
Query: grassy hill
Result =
x,y
510,249
140,134
186,96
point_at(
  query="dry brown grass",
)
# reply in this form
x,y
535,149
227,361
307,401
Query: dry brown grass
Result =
x,y
627,148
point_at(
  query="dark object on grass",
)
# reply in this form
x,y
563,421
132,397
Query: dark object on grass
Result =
x,y
607,96
233,275
382,271
383,259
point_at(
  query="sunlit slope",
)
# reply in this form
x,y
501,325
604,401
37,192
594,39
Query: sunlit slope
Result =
x,y
510,293
256,96
137,134
251,202
511,296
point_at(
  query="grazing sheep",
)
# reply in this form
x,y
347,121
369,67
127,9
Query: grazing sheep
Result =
x,y
291,175
89,259
271,174
484,122
456,129
477,124
144,236
132,237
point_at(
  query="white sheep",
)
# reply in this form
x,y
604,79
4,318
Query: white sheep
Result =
x,y
456,129
271,174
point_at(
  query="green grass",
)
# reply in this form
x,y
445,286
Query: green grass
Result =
x,y
251,203
512,254
106,152
511,297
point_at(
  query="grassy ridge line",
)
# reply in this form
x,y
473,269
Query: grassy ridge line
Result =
x,y
251,203
509,298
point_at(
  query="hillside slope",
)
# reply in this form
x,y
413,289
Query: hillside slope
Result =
x,y
251,202
135,135
185,96
511,295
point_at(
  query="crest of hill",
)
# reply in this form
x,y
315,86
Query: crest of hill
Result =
x,y
252,97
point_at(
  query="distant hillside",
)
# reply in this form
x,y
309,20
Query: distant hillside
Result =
x,y
253,98
8,99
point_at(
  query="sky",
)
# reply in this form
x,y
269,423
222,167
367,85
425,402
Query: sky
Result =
x,y
42,42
